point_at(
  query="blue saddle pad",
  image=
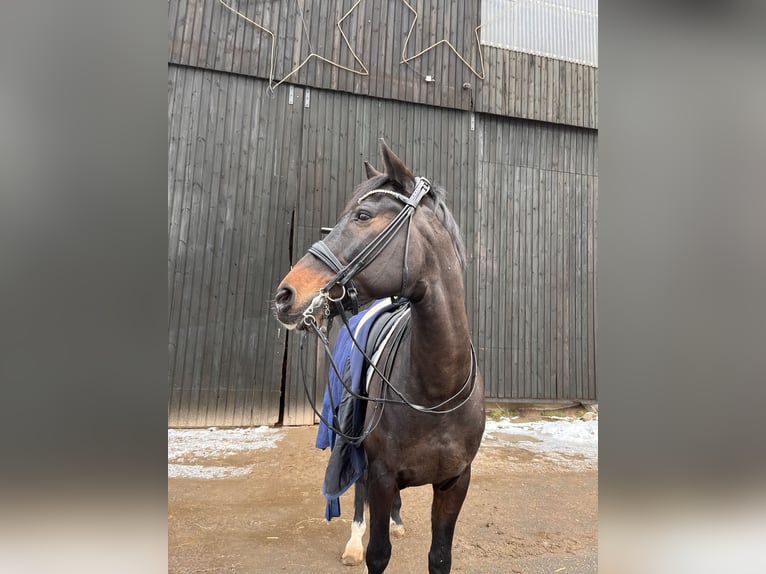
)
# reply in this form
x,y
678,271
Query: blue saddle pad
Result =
x,y
347,460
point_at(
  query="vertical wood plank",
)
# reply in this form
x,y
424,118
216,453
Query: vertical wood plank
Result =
x,y
594,346
534,282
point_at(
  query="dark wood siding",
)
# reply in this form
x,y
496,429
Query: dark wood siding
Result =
x,y
231,188
535,244
247,169
254,173
203,33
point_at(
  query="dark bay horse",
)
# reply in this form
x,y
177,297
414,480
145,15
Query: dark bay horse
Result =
x,y
425,415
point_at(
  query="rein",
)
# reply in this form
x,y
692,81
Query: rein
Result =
x,y
379,401
402,400
344,278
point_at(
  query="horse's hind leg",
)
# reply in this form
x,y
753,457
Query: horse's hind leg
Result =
x,y
354,552
396,527
448,500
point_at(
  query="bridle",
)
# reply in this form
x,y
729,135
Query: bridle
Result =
x,y
345,274
344,278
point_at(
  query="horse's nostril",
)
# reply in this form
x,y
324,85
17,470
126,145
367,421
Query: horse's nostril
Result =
x,y
284,297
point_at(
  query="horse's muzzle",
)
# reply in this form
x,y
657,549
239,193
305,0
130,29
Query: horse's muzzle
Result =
x,y
283,303
300,319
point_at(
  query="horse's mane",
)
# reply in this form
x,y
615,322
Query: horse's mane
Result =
x,y
448,221
443,214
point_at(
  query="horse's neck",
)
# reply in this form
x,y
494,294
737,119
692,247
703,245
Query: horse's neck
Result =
x,y
440,338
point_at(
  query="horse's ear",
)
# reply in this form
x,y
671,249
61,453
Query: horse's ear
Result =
x,y
371,171
395,168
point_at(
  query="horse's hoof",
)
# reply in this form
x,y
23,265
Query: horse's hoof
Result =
x,y
396,530
352,556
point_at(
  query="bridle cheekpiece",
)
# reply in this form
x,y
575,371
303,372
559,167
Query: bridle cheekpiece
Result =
x,y
345,274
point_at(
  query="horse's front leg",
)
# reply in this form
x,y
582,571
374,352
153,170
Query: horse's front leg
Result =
x,y
381,490
448,500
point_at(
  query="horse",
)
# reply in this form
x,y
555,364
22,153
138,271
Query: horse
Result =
x,y
424,416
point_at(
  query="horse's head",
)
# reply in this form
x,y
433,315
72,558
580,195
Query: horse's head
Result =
x,y
382,245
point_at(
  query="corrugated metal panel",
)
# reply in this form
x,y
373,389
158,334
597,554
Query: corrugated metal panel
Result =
x,y
562,29
230,196
202,33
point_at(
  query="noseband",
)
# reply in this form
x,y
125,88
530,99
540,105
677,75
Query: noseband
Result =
x,y
345,274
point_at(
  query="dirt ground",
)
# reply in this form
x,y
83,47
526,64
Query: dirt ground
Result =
x,y
523,514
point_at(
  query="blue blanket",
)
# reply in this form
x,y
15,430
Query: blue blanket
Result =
x,y
347,460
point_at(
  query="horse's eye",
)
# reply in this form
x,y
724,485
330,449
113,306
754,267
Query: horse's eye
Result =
x,y
363,216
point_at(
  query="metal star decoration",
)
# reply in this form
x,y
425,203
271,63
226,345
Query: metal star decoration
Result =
x,y
272,84
406,59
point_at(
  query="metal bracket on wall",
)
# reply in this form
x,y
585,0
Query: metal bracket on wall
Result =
x,y
307,98
290,95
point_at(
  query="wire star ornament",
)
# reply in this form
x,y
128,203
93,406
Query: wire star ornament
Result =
x,y
407,59
272,84
503,14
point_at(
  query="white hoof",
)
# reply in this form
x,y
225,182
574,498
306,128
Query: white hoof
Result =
x,y
396,530
354,552
352,556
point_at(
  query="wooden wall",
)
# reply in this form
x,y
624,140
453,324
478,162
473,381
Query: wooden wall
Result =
x,y
203,33
535,259
231,192
251,180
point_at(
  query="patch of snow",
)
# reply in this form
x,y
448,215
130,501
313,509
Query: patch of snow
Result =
x,y
211,442
557,440
187,448
206,472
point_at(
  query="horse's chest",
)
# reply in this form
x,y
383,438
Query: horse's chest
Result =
x,y
427,458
